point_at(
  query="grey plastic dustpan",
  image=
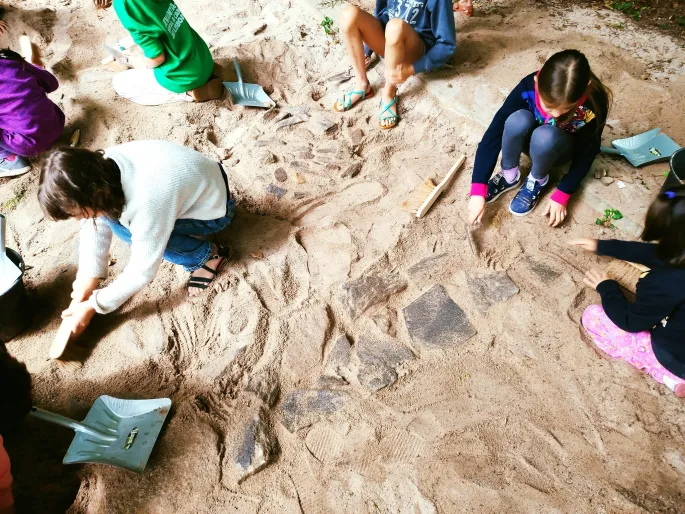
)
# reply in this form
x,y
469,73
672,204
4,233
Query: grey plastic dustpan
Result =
x,y
118,432
250,95
646,148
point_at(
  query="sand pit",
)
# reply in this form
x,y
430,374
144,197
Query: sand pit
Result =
x,y
305,381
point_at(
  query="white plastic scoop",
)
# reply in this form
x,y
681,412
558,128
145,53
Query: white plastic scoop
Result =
x,y
9,272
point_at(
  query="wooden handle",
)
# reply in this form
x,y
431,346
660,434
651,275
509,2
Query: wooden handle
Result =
x,y
61,341
428,203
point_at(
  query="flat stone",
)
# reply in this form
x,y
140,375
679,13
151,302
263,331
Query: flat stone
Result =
x,y
359,294
355,136
260,143
299,195
273,114
429,266
546,274
434,320
275,190
304,407
299,165
379,361
280,175
332,168
266,157
321,126
607,181
490,288
305,155
352,170
259,447
326,150
291,120
339,357
386,321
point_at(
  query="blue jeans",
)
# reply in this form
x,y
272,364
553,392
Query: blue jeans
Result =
x,y
182,248
547,145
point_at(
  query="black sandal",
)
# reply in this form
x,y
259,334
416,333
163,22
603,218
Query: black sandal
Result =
x,y
203,283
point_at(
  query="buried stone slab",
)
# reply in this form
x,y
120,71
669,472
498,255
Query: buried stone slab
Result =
x,y
259,447
360,294
303,407
379,361
339,357
489,288
433,320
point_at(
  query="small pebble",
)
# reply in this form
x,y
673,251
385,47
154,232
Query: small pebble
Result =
x,y
607,181
598,174
280,175
257,255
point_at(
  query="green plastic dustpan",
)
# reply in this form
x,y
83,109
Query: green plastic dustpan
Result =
x,y
646,148
117,432
250,95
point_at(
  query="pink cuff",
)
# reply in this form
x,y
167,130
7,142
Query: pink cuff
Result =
x,y
560,197
479,190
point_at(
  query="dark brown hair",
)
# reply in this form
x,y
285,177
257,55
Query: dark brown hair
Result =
x,y
665,223
564,79
75,180
15,384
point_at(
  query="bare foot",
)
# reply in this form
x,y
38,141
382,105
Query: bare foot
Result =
x,y
204,274
212,90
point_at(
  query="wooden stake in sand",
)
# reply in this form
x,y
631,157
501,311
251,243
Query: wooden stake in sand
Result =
x,y
425,195
59,344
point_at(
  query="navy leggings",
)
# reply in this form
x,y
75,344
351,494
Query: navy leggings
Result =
x,y
547,145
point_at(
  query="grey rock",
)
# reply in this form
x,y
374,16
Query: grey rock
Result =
x,y
290,121
546,274
321,126
275,190
490,288
434,320
299,165
359,294
305,155
266,157
356,136
332,168
299,195
272,114
378,362
326,150
259,447
303,407
280,175
260,143
339,357
429,266
266,388
352,170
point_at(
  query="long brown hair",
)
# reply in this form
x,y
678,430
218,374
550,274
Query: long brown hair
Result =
x,y
75,180
564,79
665,223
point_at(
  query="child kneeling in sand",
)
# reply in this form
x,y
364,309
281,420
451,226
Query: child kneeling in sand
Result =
x,y
177,65
15,404
153,195
413,36
649,333
556,115
30,122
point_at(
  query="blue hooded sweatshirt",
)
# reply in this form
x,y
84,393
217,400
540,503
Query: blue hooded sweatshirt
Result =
x,y
434,22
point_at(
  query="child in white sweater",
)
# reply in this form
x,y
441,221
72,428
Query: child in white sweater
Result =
x,y
155,196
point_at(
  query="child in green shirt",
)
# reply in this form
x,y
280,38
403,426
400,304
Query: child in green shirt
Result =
x,y
177,64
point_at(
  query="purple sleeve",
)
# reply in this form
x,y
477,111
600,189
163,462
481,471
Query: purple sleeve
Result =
x,y
45,79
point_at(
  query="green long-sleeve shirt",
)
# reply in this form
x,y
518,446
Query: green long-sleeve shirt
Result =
x,y
158,26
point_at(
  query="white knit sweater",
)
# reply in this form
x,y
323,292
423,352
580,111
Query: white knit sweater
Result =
x,y
162,182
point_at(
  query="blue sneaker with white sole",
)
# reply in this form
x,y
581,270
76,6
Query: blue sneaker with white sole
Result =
x,y
13,165
498,185
527,197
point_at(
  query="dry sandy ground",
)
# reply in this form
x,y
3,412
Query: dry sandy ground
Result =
x,y
302,355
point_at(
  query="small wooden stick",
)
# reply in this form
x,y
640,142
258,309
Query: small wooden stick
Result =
x,y
61,341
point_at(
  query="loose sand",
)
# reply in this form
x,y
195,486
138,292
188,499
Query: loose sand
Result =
x,y
521,417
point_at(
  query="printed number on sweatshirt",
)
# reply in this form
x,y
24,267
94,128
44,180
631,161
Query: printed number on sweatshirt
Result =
x,y
407,10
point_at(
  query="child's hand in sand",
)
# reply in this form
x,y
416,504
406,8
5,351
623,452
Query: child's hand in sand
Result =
x,y
78,315
586,244
594,277
556,212
83,287
476,209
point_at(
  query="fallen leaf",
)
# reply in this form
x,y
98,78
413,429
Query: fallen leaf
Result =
x,y
299,178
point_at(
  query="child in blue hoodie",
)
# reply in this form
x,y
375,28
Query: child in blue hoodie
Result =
x,y
413,36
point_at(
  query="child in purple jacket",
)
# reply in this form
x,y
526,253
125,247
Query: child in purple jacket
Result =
x,y
30,122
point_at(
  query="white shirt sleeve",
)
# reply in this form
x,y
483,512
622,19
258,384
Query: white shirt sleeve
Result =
x,y
95,239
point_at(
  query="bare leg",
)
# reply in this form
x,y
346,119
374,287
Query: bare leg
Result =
x,y
403,45
359,27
